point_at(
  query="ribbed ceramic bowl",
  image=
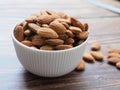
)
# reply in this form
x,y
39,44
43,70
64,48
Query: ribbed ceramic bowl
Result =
x,y
48,63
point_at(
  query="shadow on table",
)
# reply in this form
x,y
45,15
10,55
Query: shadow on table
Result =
x,y
34,81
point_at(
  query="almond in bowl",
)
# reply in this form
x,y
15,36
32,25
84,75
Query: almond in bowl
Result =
x,y
56,39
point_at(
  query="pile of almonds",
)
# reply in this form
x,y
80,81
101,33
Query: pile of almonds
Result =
x,y
90,57
114,57
49,30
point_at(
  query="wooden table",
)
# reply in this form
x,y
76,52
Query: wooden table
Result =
x,y
104,28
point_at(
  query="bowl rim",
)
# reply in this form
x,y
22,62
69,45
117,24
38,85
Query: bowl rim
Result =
x,y
52,51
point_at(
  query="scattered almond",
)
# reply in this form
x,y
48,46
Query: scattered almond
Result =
x,y
114,51
81,66
97,55
95,46
113,60
88,57
118,65
113,55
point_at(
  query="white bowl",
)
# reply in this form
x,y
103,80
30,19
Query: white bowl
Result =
x,y
48,63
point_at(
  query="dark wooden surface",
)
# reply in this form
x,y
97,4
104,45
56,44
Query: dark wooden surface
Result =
x,y
104,28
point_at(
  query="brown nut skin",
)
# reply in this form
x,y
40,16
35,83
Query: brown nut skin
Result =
x,y
118,65
69,41
88,57
27,32
113,55
86,26
75,30
47,33
81,66
95,46
45,19
54,41
97,55
63,47
113,60
58,27
27,43
77,23
46,47
83,35
35,28
116,50
37,40
69,33
31,19
19,33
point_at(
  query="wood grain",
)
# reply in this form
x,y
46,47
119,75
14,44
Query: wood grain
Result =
x,y
104,28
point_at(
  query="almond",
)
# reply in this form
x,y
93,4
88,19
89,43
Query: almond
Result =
x,y
114,51
69,33
86,26
69,41
88,57
95,46
113,55
58,27
19,33
45,25
45,19
25,25
63,47
63,36
97,55
77,23
37,40
62,15
65,24
81,66
46,47
113,60
118,65
31,19
43,13
83,35
54,41
34,27
27,32
63,20
51,12
47,33
75,30
27,43
80,42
